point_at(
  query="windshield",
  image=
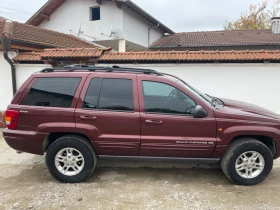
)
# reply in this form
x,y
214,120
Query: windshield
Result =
x,y
192,89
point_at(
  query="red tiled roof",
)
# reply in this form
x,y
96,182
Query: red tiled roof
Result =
x,y
107,56
218,38
189,56
26,34
52,5
72,53
29,56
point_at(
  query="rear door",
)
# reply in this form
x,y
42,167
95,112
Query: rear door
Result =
x,y
168,128
109,110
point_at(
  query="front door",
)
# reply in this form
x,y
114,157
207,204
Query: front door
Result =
x,y
109,109
168,128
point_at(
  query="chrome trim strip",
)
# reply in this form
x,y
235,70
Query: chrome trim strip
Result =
x,y
193,160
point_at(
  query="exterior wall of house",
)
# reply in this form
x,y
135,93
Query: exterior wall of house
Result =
x,y
6,88
136,27
74,14
23,71
129,25
252,83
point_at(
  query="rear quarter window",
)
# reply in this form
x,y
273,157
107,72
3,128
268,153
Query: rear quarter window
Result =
x,y
52,92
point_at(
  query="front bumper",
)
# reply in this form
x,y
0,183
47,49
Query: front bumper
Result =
x,y
25,141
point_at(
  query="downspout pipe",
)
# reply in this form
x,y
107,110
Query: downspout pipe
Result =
x,y
13,71
149,33
6,45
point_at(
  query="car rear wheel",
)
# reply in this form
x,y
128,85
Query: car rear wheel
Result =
x,y
71,159
247,162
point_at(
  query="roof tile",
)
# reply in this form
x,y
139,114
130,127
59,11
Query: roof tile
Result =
x,y
28,34
72,53
189,56
104,55
29,56
218,38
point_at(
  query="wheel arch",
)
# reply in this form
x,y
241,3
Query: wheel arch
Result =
x,y
268,141
52,137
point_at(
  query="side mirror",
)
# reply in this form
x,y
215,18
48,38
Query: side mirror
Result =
x,y
200,112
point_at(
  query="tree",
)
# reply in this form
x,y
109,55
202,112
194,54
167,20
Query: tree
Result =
x,y
258,17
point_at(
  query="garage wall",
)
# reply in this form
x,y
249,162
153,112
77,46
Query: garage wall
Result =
x,y
254,83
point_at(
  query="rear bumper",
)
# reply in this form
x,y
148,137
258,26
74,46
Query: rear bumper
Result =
x,y
25,141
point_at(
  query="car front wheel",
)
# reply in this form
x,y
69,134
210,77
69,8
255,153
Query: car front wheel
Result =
x,y
71,159
247,162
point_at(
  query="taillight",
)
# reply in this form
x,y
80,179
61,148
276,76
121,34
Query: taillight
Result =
x,y
11,119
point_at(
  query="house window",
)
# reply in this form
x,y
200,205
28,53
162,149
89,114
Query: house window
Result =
x,y
94,13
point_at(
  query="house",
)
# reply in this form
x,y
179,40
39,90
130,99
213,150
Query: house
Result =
x,y
119,24
266,39
27,38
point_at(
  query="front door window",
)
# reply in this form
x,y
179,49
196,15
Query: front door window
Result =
x,y
166,99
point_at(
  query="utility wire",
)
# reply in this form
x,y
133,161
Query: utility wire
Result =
x,y
17,13
17,10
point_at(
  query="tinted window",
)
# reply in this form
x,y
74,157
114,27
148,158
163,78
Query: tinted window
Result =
x,y
91,99
164,98
110,94
116,94
52,92
95,13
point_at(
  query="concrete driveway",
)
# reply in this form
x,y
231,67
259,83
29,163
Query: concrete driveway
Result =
x,y
26,184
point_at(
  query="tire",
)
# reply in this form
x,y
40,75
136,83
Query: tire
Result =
x,y
75,152
247,146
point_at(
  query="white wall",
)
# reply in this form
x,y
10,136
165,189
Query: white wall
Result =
x,y
254,83
128,24
73,13
135,28
6,88
23,71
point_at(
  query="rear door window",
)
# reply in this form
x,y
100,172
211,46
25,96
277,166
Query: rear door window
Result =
x,y
110,94
52,92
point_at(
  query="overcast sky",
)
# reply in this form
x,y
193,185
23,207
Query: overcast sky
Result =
x,y
179,15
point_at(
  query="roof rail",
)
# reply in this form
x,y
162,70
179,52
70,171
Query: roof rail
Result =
x,y
71,68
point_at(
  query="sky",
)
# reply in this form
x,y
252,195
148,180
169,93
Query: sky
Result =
x,y
179,15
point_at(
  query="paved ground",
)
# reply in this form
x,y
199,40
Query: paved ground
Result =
x,y
26,184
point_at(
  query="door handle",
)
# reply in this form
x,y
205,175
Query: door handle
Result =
x,y
88,118
155,122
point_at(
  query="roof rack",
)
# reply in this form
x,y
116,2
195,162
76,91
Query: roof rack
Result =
x,y
75,67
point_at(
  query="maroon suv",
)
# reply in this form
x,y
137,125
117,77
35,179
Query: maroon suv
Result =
x,y
79,114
